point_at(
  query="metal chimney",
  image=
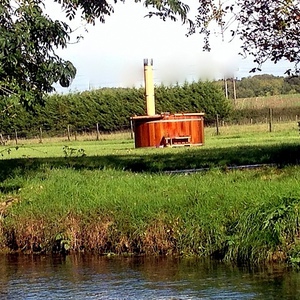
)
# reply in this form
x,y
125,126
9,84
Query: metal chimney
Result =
x,y
165,129
149,87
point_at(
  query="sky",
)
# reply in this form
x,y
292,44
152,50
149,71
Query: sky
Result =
x,y
111,54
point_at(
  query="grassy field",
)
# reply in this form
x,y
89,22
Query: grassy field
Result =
x,y
113,199
278,101
122,143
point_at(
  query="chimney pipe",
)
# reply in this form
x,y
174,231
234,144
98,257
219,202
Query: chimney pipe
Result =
x,y
149,87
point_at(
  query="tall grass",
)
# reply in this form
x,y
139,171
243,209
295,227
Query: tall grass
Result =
x,y
236,215
117,199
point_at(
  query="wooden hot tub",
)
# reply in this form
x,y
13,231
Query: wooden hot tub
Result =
x,y
164,130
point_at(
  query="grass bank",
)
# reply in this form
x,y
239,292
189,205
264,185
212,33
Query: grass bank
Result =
x,y
116,199
236,215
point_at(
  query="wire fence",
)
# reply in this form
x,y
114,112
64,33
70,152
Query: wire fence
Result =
x,y
70,133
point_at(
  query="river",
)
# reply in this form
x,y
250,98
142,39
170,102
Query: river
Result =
x,y
93,277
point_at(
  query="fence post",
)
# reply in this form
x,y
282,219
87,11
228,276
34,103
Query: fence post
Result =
x,y
270,119
131,130
2,139
41,135
16,136
68,129
217,124
98,133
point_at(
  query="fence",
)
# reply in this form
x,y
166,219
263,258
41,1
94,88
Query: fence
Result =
x,y
72,133
69,134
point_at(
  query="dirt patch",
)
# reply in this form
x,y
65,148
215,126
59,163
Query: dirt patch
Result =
x,y
5,204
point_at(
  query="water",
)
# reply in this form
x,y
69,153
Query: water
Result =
x,y
94,277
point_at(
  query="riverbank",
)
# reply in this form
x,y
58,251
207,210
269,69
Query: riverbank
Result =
x,y
108,198
240,216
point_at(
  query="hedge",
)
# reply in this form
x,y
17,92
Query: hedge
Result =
x,y
110,108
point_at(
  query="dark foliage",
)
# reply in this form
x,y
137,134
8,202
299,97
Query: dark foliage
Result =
x,y
111,108
28,62
29,65
268,29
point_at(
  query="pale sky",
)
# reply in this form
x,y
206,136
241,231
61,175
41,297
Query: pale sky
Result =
x,y
111,54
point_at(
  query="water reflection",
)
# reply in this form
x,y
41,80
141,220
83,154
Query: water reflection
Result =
x,y
94,277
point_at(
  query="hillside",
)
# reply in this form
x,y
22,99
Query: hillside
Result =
x,y
277,101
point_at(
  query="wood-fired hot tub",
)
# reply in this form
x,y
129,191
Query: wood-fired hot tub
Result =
x,y
168,130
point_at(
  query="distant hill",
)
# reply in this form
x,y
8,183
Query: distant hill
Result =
x,y
261,85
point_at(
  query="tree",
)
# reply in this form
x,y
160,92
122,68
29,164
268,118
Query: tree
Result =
x,y
291,84
28,39
28,63
268,29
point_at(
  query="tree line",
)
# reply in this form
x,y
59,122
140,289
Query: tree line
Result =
x,y
261,85
29,37
110,108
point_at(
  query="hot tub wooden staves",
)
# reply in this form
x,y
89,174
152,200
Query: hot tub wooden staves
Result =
x,y
165,130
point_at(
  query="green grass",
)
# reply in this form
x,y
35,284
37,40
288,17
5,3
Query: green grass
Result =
x,y
114,143
118,199
118,211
